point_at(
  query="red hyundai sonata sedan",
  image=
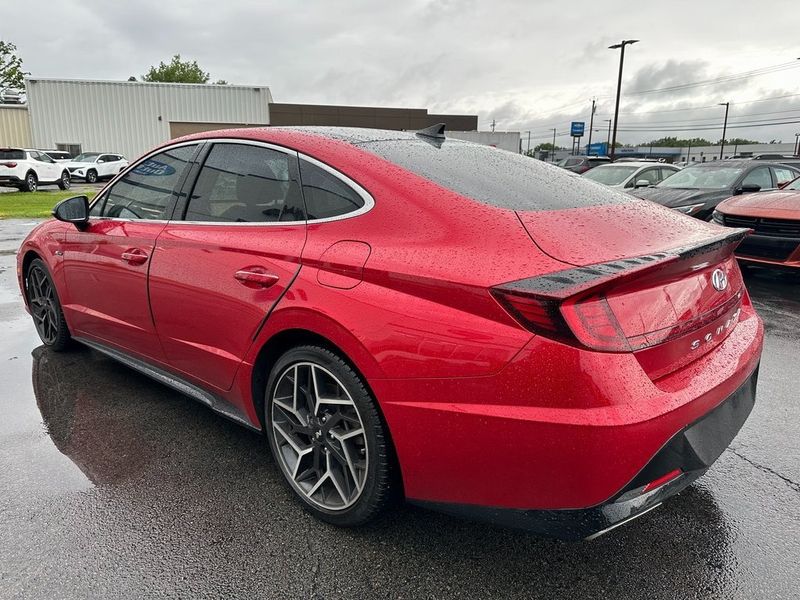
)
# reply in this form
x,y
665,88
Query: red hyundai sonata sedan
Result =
x,y
409,316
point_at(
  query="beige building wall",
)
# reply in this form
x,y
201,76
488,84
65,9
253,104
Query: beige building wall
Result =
x,y
15,126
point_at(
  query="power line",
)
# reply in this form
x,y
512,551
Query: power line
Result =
x,y
724,79
717,128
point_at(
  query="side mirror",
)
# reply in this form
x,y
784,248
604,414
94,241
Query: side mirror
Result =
x,y
73,210
641,183
746,188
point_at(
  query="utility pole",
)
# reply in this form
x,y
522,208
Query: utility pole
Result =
x,y
493,124
727,105
608,139
591,124
689,153
797,144
529,142
621,47
554,146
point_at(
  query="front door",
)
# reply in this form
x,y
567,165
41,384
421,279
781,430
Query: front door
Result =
x,y
106,264
216,274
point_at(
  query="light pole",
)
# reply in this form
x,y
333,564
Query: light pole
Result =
x,y
727,105
591,124
608,139
554,146
529,142
621,47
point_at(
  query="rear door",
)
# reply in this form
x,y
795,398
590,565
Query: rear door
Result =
x,y
47,170
221,266
106,264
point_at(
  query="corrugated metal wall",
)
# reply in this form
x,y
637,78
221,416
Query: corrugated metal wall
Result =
x,y
15,126
132,117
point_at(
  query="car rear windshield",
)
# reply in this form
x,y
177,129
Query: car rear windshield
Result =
x,y
12,155
495,177
703,177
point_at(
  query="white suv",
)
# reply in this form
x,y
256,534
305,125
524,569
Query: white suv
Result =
x,y
27,169
93,166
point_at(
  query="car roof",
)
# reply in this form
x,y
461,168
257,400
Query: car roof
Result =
x,y
635,163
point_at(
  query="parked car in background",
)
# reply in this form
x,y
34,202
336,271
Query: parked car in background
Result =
x,y
58,155
774,217
631,174
94,166
696,190
27,169
520,345
581,164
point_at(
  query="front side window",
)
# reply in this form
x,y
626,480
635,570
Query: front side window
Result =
x,y
648,175
759,177
242,183
146,191
326,195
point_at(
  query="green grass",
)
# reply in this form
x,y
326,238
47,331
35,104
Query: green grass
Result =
x,y
24,205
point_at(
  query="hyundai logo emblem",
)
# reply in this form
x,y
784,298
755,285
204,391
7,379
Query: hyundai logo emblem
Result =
x,y
719,280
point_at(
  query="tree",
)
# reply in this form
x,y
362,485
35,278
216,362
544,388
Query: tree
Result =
x,y
673,142
738,142
546,147
11,73
177,71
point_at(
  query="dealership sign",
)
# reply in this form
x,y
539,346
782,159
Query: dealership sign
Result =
x,y
577,128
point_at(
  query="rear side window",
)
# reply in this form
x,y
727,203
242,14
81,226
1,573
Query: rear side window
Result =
x,y
325,194
495,177
12,155
145,192
241,183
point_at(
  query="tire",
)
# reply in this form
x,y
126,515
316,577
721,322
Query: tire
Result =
x,y
64,181
31,182
359,479
46,307
91,176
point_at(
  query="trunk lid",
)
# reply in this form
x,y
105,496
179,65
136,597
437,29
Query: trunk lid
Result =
x,y
646,280
602,233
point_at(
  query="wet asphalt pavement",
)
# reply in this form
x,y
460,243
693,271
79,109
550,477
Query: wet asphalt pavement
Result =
x,y
112,485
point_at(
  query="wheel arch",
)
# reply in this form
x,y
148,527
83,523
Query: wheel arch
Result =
x,y
282,341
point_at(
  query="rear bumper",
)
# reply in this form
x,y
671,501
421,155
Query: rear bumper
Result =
x,y
692,450
10,180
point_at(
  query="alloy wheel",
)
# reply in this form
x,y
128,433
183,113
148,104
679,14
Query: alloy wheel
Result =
x,y
320,436
44,308
31,181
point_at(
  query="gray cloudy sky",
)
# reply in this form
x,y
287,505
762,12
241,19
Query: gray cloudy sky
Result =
x,y
530,65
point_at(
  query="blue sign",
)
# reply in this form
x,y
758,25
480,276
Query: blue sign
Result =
x,y
576,129
598,149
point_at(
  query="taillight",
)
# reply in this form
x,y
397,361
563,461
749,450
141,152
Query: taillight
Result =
x,y
581,306
10,165
587,322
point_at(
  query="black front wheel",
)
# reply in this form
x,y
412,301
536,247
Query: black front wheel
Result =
x,y
91,176
46,307
328,438
64,181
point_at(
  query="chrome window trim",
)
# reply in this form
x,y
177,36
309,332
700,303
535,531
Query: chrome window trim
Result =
x,y
369,202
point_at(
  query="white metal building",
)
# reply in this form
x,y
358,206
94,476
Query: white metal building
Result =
x,y
505,140
131,117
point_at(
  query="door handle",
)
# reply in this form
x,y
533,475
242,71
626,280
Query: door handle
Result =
x,y
256,277
134,256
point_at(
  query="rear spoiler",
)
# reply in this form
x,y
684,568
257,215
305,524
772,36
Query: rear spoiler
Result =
x,y
563,284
